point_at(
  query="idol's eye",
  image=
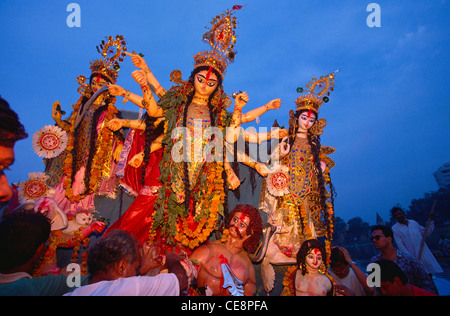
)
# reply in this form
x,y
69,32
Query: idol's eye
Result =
x,y
200,79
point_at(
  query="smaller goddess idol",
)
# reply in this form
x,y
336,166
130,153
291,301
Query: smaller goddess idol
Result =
x,y
90,160
309,280
294,194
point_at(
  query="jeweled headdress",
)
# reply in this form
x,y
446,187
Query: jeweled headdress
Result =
x,y
318,93
222,38
112,51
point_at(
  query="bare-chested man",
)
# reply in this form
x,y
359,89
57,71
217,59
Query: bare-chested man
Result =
x,y
218,258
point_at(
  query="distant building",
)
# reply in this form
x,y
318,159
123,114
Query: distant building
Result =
x,y
442,175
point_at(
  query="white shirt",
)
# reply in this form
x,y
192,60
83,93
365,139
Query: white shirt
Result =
x,y
165,284
350,281
409,238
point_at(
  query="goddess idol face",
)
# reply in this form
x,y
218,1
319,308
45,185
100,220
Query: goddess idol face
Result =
x,y
313,260
205,82
97,82
306,120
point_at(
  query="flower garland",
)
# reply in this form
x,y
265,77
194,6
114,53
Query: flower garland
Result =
x,y
100,157
170,221
215,197
49,254
289,282
79,241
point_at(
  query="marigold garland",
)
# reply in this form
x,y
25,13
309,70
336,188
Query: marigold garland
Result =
x,y
79,241
100,156
170,222
289,282
49,254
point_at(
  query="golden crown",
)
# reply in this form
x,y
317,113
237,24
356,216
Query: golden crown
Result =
x,y
222,39
112,52
318,93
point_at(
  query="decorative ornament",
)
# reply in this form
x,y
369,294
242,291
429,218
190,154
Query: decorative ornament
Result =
x,y
50,141
317,93
34,188
222,39
278,181
113,53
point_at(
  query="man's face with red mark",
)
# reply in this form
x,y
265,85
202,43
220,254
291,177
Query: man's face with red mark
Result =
x,y
238,225
306,121
314,259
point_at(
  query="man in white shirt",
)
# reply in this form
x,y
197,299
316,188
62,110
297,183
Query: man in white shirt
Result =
x,y
340,271
408,235
117,267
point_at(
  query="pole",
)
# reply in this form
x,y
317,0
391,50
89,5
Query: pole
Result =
x,y
426,230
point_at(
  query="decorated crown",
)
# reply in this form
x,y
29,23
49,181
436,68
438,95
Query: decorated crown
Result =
x,y
112,52
222,38
318,93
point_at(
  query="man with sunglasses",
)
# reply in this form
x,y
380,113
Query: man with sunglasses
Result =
x,y
382,238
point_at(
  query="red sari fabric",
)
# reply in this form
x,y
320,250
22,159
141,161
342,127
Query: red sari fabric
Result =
x,y
131,180
137,219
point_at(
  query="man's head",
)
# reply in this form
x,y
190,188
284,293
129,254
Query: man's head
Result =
x,y
393,280
399,215
115,256
11,130
22,236
382,236
338,263
245,222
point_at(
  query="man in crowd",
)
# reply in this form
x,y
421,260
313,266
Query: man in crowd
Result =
x,y
221,259
117,266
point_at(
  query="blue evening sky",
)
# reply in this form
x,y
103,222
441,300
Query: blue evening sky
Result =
x,y
389,116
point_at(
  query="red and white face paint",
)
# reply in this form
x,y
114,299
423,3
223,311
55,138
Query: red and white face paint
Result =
x,y
314,259
97,83
205,82
238,225
306,120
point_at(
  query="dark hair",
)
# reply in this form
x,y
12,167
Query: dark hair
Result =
x,y
305,248
254,228
387,231
109,250
21,234
337,256
11,130
396,209
389,270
